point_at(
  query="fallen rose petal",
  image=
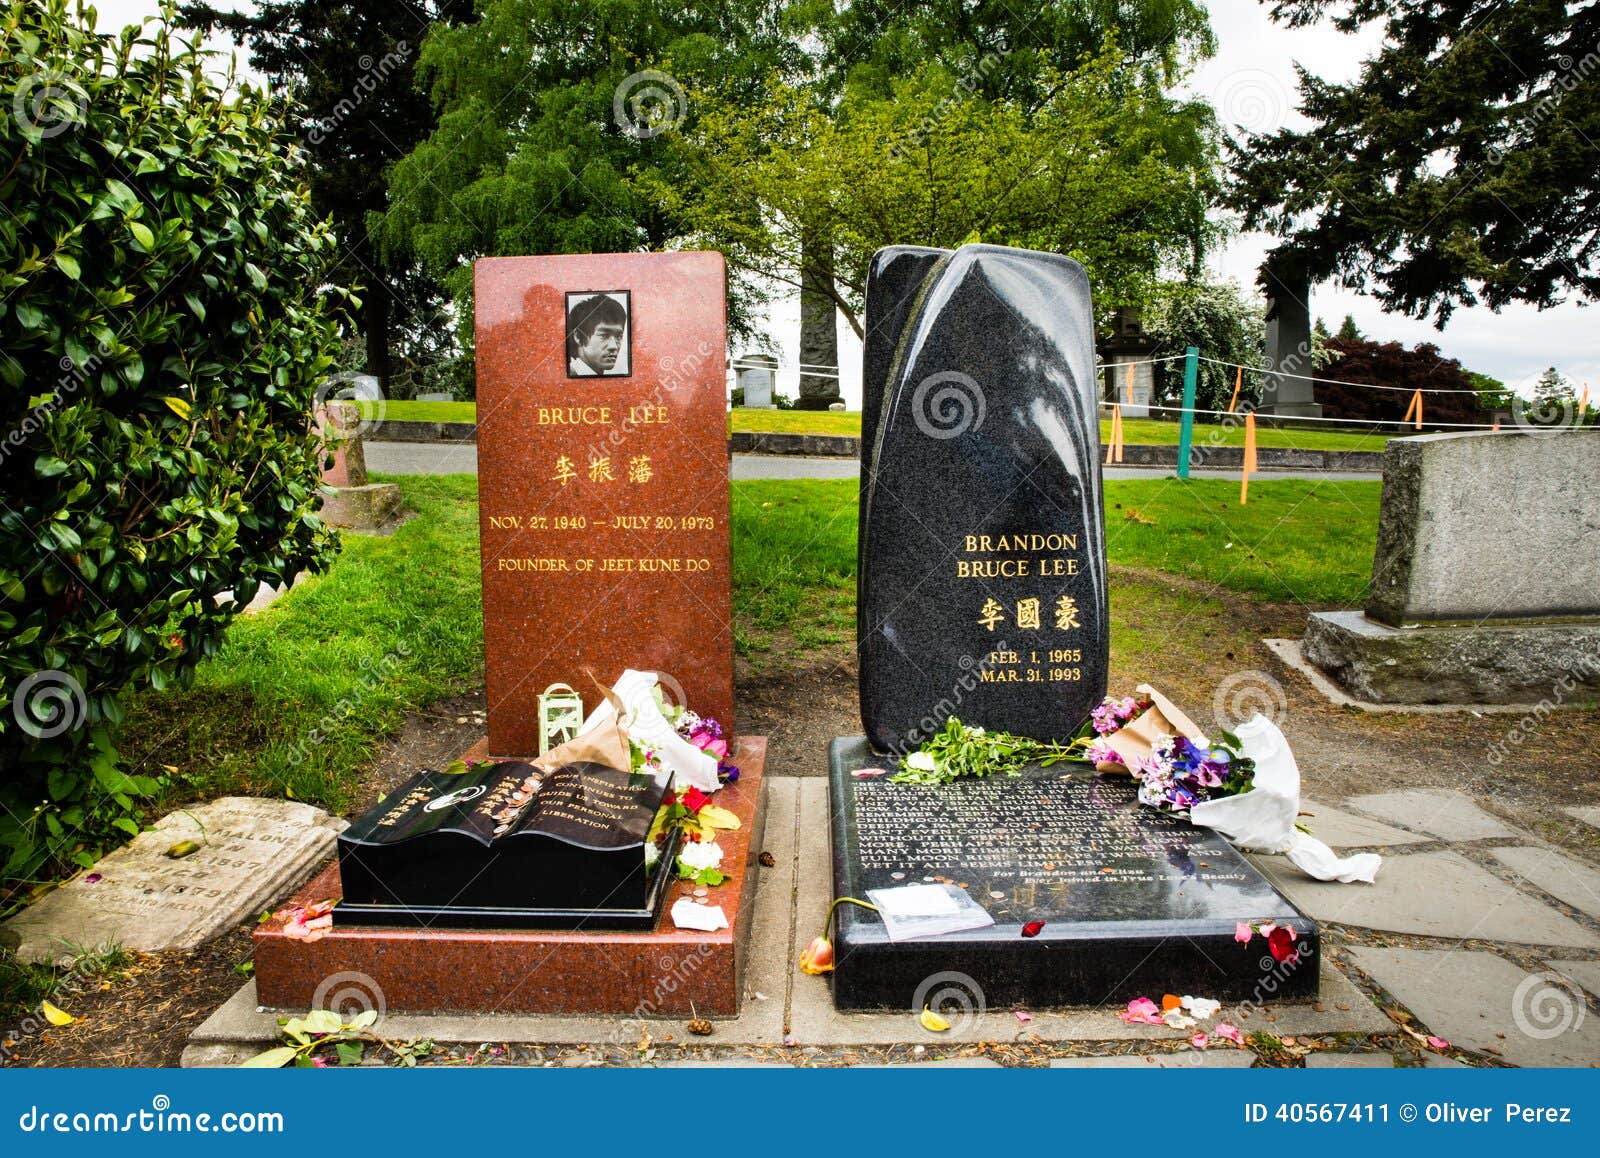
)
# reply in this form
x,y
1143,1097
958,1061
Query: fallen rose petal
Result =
x,y
1170,1001
1242,933
1022,1015
1033,928
92,879
1205,1008
1438,1043
1199,1041
1141,1011
1177,1019
1230,1033
1281,943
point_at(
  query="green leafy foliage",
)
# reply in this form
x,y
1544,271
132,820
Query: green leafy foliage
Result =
x,y
549,113
967,750
1105,168
1463,165
165,324
1220,320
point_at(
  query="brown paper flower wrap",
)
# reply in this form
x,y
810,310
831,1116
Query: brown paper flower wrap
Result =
x,y
1137,738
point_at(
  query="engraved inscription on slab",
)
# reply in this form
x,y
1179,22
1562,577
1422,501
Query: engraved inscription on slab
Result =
x,y
1067,845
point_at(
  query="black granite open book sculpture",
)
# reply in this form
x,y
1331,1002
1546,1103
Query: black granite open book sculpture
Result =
x,y
506,845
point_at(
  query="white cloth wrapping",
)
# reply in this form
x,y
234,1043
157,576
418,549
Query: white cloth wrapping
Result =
x,y
1263,819
686,765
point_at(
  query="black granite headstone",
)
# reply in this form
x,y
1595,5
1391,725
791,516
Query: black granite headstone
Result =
x,y
1132,902
982,564
506,845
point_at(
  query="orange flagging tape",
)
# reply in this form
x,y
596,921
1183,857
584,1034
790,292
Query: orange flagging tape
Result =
x,y
1415,407
1114,448
1238,381
1249,457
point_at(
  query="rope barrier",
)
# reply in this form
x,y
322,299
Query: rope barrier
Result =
x,y
1337,381
1359,421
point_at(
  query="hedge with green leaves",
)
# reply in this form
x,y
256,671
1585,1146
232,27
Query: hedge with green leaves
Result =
x,y
165,320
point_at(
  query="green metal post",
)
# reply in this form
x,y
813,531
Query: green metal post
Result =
x,y
1191,370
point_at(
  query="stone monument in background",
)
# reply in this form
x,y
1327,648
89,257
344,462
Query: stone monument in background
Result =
x,y
1486,577
1288,390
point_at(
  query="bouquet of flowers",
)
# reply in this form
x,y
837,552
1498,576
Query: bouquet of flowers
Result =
x,y
1160,747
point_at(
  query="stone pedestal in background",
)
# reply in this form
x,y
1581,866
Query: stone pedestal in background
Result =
x,y
1486,579
1288,390
349,501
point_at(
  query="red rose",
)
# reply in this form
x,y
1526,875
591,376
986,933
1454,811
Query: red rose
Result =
x,y
694,800
1281,942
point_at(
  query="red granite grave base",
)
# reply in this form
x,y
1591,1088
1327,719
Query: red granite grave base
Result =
x,y
668,972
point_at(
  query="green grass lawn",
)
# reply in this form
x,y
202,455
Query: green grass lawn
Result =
x,y
302,693
398,411
796,421
1135,431
1296,539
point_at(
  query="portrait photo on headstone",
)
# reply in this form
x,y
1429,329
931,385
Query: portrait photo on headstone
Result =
x,y
599,334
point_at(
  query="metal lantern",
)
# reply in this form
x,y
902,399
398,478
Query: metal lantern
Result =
x,y
560,716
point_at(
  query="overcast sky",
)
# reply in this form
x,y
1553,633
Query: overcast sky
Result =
x,y
1251,83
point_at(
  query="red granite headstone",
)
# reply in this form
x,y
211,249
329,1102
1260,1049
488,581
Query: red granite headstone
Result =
x,y
602,479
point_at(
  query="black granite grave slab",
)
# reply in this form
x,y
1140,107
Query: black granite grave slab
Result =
x,y
1134,903
982,578
506,845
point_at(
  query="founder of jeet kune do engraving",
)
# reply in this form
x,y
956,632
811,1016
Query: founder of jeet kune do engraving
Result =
x,y
597,335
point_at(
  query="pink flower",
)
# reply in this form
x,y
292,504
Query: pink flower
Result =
x,y
1242,933
1230,1032
1199,1041
1142,1011
706,742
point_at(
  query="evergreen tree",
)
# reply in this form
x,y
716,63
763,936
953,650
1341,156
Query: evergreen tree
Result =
x,y
1349,331
352,68
1463,166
